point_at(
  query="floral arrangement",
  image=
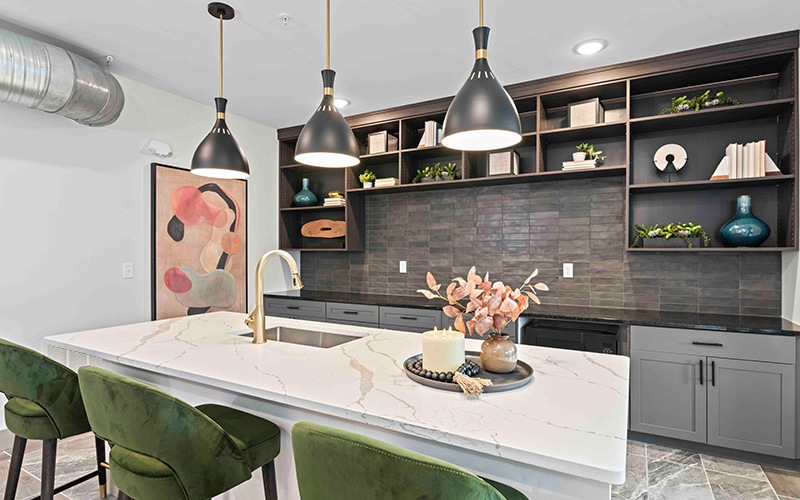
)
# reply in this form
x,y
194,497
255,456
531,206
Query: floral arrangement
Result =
x,y
705,100
674,230
492,305
590,152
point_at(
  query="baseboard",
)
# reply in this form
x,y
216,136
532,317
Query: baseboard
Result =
x,y
6,439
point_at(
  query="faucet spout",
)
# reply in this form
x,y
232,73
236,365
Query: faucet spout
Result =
x,y
256,319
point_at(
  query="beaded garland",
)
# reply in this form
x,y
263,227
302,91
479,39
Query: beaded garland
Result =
x,y
468,368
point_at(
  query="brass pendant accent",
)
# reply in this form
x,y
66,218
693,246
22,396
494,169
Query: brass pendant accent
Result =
x,y
481,54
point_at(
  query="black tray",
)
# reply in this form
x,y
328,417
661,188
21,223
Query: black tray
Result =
x,y
522,375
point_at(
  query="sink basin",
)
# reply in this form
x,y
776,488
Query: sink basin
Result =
x,y
324,340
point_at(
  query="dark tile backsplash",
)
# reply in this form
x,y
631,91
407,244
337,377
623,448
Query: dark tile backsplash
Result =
x,y
510,230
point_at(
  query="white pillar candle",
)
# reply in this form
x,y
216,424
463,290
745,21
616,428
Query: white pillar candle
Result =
x,y
442,350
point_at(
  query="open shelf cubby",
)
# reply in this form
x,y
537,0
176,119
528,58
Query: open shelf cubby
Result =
x,y
760,73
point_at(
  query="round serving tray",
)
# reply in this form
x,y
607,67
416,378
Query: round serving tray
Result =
x,y
522,375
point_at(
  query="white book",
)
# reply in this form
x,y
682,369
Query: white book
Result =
x,y
730,153
739,161
584,163
762,158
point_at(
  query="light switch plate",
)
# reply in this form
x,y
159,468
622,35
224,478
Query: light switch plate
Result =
x,y
568,270
127,271
403,267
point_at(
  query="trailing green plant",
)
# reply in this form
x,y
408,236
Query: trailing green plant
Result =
x,y
704,100
451,169
429,172
685,231
367,176
590,152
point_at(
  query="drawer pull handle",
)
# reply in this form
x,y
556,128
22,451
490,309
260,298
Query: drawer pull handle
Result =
x,y
349,312
713,375
293,308
701,372
708,344
410,318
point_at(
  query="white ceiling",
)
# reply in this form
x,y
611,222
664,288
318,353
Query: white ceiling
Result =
x,y
385,52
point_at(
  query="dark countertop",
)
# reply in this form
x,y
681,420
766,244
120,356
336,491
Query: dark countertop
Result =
x,y
770,325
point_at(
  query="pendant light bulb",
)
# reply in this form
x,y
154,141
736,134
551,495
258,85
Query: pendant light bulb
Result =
x,y
482,116
326,139
219,154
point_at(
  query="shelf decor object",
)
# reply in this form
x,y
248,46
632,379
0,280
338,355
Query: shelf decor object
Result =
x,y
442,350
324,228
744,229
305,198
675,235
381,142
463,379
327,140
482,116
703,101
492,307
663,154
582,113
504,163
219,154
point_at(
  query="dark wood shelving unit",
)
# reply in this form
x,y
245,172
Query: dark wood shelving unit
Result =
x,y
760,72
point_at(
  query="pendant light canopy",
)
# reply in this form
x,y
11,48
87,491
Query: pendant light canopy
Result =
x,y
219,155
326,140
482,116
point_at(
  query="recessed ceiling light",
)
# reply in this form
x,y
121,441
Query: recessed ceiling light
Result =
x,y
590,47
340,103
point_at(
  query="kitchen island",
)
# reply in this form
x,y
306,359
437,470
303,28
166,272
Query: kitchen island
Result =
x,y
561,436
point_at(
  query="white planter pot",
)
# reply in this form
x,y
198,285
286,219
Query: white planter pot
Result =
x,y
578,156
367,184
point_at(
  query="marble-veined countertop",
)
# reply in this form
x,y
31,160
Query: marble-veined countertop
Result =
x,y
571,419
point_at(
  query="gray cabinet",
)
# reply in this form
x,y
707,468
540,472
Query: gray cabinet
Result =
x,y
294,309
751,406
668,395
726,389
410,319
358,314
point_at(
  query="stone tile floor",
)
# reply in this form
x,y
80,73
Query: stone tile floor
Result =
x,y
654,473
658,473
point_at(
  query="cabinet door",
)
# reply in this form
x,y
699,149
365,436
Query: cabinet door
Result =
x,y
751,406
668,395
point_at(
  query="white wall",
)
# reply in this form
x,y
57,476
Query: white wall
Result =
x,y
75,205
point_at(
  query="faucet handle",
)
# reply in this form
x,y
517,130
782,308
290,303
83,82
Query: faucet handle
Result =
x,y
297,283
250,318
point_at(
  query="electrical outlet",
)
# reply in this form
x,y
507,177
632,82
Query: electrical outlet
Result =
x,y
127,271
403,267
567,270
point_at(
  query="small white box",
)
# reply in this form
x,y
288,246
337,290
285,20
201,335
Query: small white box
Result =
x,y
588,112
504,163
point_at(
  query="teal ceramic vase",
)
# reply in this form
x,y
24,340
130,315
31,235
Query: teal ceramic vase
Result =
x,y
305,198
744,229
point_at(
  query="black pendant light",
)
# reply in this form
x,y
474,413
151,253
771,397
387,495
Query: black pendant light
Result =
x,y
219,155
326,140
482,116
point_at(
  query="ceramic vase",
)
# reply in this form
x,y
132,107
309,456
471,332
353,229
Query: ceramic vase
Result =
x,y
744,229
578,156
305,198
367,184
498,354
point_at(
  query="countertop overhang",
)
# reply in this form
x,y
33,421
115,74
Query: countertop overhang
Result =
x,y
766,325
572,418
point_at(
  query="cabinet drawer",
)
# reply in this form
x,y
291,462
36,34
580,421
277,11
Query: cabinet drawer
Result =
x,y
298,309
352,313
754,347
415,320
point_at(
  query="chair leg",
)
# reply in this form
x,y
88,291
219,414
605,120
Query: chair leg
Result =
x,y
123,496
100,447
48,469
270,486
15,468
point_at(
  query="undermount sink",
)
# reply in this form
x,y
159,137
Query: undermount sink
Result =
x,y
324,340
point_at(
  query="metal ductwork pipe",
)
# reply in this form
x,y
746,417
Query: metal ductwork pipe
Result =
x,y
42,76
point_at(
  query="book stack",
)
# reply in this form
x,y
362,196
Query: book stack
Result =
x,y
333,202
578,165
387,181
432,135
744,161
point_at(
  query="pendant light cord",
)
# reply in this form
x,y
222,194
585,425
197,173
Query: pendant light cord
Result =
x,y
481,14
328,38
220,55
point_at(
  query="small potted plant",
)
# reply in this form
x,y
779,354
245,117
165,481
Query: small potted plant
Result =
x,y
367,178
428,174
584,151
704,100
674,235
449,172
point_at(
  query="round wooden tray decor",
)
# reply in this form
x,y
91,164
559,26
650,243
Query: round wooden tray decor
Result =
x,y
522,375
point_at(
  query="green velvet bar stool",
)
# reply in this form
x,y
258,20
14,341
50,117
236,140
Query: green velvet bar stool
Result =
x,y
44,403
365,468
165,449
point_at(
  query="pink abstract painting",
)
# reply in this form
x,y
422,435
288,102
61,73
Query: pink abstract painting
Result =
x,y
199,243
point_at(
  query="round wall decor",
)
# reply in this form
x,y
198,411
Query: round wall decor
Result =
x,y
676,151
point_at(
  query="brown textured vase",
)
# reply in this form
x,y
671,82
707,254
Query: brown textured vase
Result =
x,y
498,354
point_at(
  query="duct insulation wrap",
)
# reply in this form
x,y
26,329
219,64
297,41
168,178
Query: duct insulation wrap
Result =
x,y
42,76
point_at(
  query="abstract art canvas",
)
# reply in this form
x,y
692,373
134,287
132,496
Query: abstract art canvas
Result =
x,y
199,241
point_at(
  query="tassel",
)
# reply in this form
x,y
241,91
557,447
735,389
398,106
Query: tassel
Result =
x,y
473,387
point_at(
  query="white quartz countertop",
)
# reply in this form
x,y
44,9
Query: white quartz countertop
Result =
x,y
572,418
